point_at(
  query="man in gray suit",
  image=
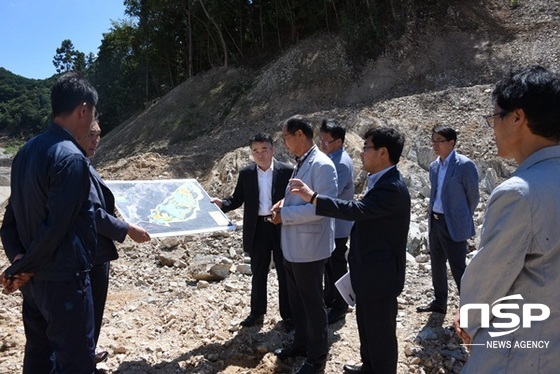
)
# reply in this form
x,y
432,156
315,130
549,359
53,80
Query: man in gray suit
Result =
x,y
307,243
453,199
519,253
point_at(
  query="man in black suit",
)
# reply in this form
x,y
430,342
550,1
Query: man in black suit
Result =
x,y
377,255
109,228
259,186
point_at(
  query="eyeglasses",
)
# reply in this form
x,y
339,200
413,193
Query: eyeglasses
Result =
x,y
366,147
439,141
95,112
489,118
285,135
326,142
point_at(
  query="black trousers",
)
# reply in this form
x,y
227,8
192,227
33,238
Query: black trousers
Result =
x,y
335,268
305,287
58,322
377,324
443,249
266,244
99,276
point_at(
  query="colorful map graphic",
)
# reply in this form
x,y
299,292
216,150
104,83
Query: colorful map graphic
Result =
x,y
181,206
168,207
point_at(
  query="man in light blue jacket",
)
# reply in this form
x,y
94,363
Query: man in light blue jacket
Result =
x,y
453,199
519,254
307,242
331,142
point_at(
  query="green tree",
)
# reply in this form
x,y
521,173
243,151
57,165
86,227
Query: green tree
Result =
x,y
67,58
117,75
165,42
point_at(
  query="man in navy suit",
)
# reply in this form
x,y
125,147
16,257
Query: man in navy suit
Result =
x,y
453,199
377,255
109,229
259,186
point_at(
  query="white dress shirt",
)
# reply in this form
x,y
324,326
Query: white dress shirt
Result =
x,y
265,190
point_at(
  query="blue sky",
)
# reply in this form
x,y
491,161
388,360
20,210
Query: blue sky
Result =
x,y
32,30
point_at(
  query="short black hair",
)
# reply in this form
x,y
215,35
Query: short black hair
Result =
x,y
298,122
389,138
261,137
69,91
447,132
536,90
333,127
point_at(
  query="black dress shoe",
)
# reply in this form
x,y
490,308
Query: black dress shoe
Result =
x,y
311,368
101,356
357,369
335,315
289,351
252,320
289,325
431,308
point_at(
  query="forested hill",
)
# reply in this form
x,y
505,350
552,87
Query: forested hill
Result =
x,y
440,70
232,65
24,104
163,43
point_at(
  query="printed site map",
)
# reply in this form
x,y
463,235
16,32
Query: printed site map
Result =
x,y
168,207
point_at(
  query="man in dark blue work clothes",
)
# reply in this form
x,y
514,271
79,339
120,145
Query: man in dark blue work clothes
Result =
x,y
49,236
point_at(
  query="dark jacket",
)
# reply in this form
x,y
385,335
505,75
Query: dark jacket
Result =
x,y
49,217
377,255
247,191
109,227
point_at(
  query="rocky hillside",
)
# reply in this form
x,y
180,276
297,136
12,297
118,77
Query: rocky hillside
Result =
x,y
440,70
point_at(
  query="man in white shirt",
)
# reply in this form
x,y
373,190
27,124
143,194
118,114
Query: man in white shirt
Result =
x,y
259,186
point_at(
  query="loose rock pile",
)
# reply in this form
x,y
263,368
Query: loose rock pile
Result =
x,y
161,319
175,304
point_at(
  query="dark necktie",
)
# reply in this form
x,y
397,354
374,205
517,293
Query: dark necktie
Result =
x,y
300,161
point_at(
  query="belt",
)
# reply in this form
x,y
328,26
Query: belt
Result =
x,y
264,218
437,216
